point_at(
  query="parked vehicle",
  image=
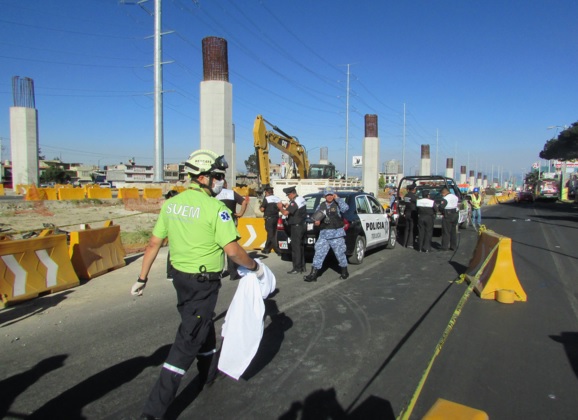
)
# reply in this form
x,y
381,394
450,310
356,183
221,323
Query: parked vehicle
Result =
x,y
547,189
434,184
524,196
103,185
367,225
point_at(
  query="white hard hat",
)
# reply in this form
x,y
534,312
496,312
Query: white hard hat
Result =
x,y
205,161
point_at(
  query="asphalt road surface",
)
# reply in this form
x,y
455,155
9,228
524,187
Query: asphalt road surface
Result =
x,y
343,349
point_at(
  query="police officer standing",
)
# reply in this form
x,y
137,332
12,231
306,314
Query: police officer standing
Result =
x,y
425,214
271,214
200,230
410,215
449,209
296,213
331,234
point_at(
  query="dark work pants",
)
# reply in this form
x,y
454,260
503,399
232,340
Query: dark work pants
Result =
x,y
195,338
271,228
297,246
408,233
425,228
450,230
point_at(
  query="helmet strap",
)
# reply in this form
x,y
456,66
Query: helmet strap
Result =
x,y
209,187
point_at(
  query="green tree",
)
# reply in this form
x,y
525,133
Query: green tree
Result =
x,y
381,182
251,164
531,179
54,174
565,147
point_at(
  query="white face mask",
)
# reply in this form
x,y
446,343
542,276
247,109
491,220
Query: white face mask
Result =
x,y
218,186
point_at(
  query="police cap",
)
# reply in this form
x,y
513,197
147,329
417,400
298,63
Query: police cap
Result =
x,y
411,187
289,190
268,188
329,191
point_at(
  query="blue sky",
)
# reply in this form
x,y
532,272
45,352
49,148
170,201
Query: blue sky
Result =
x,y
481,80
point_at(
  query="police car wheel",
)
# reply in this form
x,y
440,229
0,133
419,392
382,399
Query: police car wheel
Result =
x,y
358,251
392,239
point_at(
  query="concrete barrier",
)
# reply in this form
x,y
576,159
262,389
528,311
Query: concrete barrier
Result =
x,y
94,252
128,193
67,194
30,267
99,193
154,193
492,268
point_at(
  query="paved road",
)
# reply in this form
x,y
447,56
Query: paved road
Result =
x,y
343,349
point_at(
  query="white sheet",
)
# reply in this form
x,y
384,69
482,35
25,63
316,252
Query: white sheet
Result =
x,y
244,322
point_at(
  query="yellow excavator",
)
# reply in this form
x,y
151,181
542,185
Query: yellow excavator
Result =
x,y
288,145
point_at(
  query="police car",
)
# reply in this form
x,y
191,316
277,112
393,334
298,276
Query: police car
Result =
x,y
434,184
367,225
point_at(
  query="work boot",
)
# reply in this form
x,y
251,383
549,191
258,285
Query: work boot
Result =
x,y
344,273
311,276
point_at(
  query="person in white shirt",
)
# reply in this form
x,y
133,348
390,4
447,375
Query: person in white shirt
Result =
x,y
449,209
425,221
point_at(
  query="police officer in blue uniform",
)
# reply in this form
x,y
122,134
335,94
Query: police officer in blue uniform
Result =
x,y
331,234
296,212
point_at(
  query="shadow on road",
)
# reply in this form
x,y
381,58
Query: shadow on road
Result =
x,y
11,388
21,311
70,403
323,404
570,342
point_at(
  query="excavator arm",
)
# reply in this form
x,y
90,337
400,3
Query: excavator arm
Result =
x,y
280,140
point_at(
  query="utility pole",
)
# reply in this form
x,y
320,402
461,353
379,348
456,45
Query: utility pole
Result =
x,y
158,174
403,146
347,125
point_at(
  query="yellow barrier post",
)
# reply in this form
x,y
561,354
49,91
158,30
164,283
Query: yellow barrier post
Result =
x,y
252,231
29,267
492,269
94,252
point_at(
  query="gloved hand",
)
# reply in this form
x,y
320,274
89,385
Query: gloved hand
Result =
x,y
138,288
260,271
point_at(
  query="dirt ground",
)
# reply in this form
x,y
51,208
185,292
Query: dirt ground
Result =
x,y
22,218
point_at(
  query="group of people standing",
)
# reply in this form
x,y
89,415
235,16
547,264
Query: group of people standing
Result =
x,y
420,213
328,217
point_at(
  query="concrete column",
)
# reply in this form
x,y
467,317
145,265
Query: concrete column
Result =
x,y
479,180
24,145
450,167
462,174
472,180
371,155
485,181
216,104
425,168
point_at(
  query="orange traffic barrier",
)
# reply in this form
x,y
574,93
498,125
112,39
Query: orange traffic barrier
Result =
x,y
492,269
448,410
252,231
69,193
99,193
94,252
2,190
128,193
30,267
152,193
34,194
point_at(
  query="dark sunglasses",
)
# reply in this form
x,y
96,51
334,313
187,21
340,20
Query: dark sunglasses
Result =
x,y
218,176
